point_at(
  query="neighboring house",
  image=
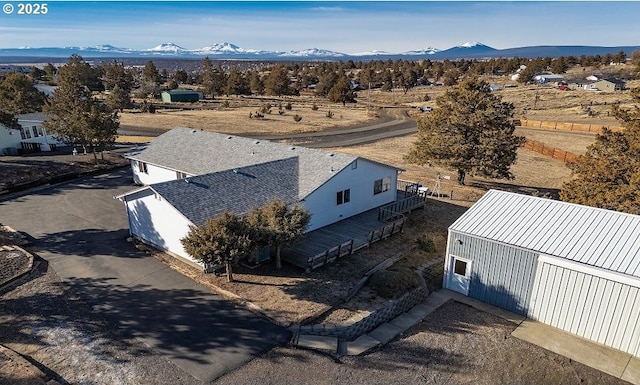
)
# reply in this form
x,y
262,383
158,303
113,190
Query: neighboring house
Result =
x,y
192,175
548,78
609,84
570,266
173,96
31,137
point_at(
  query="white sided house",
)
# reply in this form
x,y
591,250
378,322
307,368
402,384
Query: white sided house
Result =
x,y
573,267
191,175
31,137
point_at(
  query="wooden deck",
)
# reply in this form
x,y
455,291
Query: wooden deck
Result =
x,y
318,241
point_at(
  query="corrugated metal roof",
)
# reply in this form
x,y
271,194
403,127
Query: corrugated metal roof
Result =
x,y
596,237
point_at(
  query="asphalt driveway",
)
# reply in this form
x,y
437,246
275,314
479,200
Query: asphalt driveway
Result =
x,y
81,231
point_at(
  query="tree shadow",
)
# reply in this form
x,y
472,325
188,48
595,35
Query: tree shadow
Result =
x,y
553,193
88,243
188,324
102,179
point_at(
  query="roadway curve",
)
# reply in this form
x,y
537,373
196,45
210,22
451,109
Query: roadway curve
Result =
x,y
341,137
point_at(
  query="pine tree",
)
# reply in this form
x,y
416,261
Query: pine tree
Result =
x,y
73,114
342,92
608,175
237,84
18,96
255,83
150,73
277,82
115,74
470,131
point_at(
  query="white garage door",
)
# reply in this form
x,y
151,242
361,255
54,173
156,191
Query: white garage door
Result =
x,y
593,303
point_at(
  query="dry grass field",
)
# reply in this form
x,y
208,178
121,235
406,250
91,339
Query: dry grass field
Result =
x,y
235,118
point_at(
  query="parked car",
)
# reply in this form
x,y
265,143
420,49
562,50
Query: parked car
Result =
x,y
563,88
426,109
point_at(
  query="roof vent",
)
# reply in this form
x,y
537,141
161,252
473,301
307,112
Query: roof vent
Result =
x,y
256,142
229,137
331,154
235,170
292,148
186,180
193,131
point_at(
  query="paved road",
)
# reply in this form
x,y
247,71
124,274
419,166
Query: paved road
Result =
x,y
81,231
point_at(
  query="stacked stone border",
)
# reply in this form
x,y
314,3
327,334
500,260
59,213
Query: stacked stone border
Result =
x,y
363,323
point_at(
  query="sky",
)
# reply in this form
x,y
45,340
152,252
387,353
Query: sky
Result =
x,y
346,27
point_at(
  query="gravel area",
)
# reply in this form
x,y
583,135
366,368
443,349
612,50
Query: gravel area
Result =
x,y
12,264
44,321
454,345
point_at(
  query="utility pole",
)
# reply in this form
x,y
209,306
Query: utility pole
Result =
x,y
368,98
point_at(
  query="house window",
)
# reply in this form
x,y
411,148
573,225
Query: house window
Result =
x,y
35,131
381,185
180,175
40,131
343,196
142,167
22,133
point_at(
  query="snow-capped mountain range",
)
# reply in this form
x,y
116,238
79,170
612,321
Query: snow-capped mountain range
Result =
x,y
227,50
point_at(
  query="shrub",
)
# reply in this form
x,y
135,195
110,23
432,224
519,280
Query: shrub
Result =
x,y
266,108
297,117
426,244
314,107
226,104
148,107
288,106
394,282
426,98
329,114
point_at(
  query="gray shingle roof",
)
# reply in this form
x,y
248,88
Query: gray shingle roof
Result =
x,y
198,152
238,190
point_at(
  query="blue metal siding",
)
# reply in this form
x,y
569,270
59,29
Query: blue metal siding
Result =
x,y
501,275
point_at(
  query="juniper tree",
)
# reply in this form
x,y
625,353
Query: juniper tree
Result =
x,y
18,96
74,115
608,175
224,240
471,131
278,224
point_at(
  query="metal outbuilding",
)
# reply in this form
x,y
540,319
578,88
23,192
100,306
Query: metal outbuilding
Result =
x,y
570,266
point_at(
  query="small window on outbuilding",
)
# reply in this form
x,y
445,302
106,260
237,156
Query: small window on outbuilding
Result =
x,y
460,267
142,167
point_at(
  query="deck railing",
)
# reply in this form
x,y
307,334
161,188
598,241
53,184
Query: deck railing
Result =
x,y
393,210
330,255
408,187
